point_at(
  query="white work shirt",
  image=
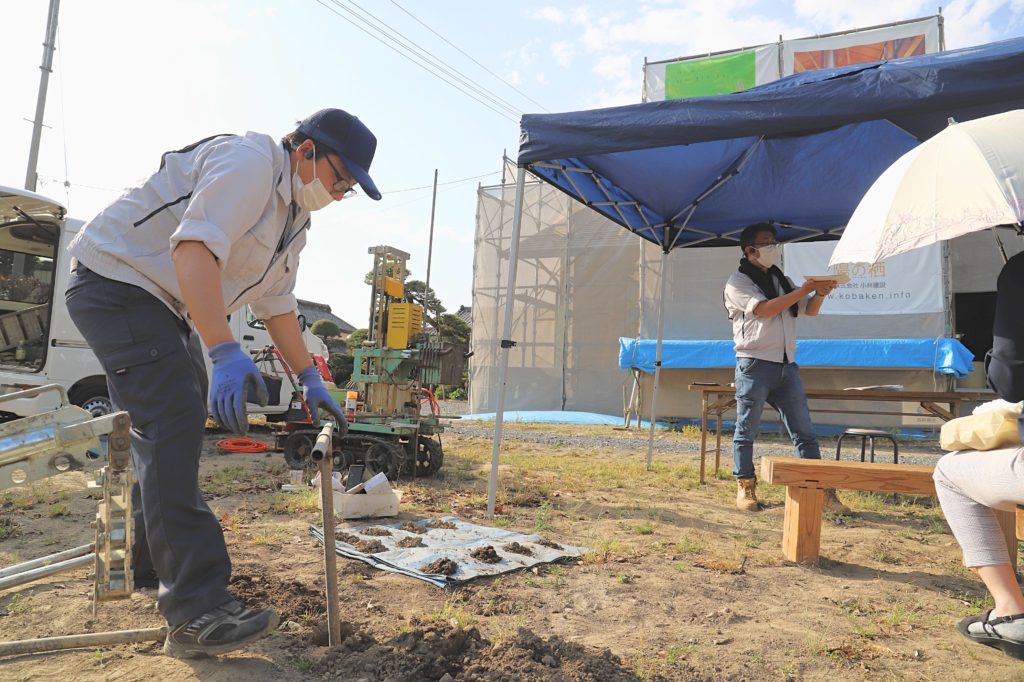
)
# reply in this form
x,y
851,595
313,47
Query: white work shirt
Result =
x,y
233,194
762,338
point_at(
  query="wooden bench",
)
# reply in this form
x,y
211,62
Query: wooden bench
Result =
x,y
807,479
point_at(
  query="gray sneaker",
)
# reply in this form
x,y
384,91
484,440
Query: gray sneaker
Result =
x,y
228,627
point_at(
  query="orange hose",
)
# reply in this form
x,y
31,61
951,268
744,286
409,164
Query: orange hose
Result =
x,y
242,445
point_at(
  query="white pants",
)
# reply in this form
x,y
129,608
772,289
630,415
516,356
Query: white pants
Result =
x,y
970,485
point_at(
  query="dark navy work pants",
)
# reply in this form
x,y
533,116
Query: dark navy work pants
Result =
x,y
155,371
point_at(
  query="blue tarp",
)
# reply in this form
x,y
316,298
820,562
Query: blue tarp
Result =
x,y
799,152
941,355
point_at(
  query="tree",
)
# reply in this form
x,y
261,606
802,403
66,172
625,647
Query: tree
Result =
x,y
368,280
325,329
356,338
453,329
415,289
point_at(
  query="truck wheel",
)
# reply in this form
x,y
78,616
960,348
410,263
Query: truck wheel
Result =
x,y
93,398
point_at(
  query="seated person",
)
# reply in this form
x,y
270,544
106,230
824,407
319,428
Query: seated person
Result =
x,y
972,484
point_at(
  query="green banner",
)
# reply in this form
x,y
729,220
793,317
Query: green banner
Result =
x,y
710,76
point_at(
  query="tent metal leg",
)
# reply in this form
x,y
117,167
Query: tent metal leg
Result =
x,y
506,344
657,356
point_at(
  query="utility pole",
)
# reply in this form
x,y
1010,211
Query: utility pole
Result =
x,y
430,253
49,47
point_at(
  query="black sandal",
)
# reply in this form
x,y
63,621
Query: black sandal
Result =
x,y
1011,647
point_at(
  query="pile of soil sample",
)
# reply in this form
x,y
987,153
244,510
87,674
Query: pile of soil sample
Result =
x,y
410,542
437,523
370,546
440,567
347,537
376,532
516,548
413,528
485,554
437,652
549,544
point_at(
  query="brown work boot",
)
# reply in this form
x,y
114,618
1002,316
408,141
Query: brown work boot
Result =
x,y
832,504
746,494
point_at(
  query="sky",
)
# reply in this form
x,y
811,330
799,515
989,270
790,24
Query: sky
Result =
x,y
135,78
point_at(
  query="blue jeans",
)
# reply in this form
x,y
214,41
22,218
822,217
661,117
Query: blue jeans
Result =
x,y
778,384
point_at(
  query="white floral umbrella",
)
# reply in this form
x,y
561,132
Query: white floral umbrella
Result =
x,y
967,178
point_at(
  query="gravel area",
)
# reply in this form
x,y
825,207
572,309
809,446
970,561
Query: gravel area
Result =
x,y
911,452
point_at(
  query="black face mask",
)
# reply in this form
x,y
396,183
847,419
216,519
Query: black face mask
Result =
x,y
765,281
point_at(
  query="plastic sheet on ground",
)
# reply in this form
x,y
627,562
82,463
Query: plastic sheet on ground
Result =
x,y
550,417
444,543
942,355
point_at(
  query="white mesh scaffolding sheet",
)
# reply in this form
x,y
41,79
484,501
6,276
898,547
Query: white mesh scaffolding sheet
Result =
x,y
575,295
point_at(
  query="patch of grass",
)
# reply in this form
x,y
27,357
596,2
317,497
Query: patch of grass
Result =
x,y
556,581
59,509
885,553
690,543
645,528
303,500
542,521
451,613
272,535
730,565
25,498
900,616
225,480
311,616
603,550
8,528
679,652
623,579
502,521
18,605
303,664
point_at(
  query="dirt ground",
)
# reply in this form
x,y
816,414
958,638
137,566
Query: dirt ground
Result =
x,y
678,584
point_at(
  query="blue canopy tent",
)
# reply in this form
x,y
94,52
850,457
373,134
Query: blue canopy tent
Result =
x,y
799,153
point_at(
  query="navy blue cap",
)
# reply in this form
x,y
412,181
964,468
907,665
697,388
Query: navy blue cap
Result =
x,y
350,138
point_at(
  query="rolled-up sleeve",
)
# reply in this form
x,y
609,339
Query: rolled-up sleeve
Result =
x,y
233,186
742,295
279,299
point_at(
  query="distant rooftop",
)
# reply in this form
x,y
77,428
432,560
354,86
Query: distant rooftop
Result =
x,y
321,311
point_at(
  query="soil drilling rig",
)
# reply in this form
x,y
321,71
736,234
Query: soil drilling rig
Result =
x,y
393,367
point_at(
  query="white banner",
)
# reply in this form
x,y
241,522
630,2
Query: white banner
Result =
x,y
901,285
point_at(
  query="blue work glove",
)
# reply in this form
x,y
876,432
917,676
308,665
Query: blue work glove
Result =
x,y
317,398
234,373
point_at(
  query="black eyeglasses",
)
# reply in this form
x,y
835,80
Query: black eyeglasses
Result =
x,y
340,184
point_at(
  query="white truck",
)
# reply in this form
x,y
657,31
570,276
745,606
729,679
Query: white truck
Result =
x,y
39,344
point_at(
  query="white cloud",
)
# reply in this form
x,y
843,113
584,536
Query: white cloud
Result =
x,y
563,52
971,22
838,15
615,67
548,13
541,78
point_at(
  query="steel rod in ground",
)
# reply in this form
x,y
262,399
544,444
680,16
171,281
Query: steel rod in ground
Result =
x,y
91,639
47,560
322,452
43,571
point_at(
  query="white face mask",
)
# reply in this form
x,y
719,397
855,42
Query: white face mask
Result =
x,y
311,196
769,256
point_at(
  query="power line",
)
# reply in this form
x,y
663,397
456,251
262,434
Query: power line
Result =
x,y
422,53
450,182
470,57
423,66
